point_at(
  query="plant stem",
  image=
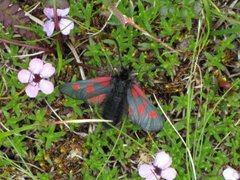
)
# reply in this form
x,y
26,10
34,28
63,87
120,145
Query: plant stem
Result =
x,y
48,50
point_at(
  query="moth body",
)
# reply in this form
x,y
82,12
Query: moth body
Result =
x,y
115,104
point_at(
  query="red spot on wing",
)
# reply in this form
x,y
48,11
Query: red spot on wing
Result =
x,y
104,81
136,91
152,114
145,103
76,86
97,99
90,88
141,109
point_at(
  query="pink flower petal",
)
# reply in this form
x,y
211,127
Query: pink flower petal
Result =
x,y
49,12
230,174
46,86
145,170
63,12
47,71
162,160
25,76
169,173
32,91
66,26
36,65
48,27
153,177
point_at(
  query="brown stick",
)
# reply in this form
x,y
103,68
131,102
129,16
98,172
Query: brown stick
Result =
x,y
129,21
26,45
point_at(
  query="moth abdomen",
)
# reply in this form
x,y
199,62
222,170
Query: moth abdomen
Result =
x,y
115,104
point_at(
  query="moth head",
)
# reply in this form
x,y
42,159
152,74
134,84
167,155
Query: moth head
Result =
x,y
123,73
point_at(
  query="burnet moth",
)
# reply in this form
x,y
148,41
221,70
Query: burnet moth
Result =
x,y
117,94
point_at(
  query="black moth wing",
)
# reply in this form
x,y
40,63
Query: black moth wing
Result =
x,y
142,111
92,90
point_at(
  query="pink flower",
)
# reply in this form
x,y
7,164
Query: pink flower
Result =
x,y
65,24
231,174
36,77
160,168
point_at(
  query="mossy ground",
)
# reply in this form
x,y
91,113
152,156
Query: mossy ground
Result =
x,y
197,86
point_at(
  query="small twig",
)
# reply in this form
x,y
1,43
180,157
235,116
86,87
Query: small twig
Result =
x,y
35,19
29,55
47,50
61,120
75,54
234,75
225,137
109,17
129,21
75,121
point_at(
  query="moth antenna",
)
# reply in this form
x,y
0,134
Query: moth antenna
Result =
x,y
119,52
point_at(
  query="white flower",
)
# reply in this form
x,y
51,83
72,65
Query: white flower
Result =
x,y
231,174
65,24
160,168
36,77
